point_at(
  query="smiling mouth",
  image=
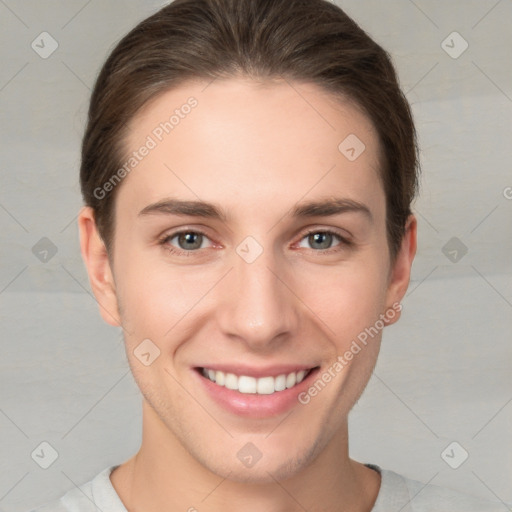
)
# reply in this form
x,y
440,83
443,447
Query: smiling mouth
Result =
x,y
252,385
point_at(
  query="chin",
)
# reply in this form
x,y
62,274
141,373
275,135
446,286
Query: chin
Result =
x,y
261,473
273,464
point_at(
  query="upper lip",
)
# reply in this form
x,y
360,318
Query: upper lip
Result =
x,y
251,371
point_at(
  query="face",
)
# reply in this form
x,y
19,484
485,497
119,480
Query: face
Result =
x,y
249,243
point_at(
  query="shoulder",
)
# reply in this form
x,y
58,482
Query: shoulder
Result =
x,y
96,494
399,493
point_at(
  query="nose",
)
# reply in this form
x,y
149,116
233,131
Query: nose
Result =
x,y
257,305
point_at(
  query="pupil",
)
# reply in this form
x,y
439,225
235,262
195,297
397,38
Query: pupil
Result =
x,y
188,238
317,238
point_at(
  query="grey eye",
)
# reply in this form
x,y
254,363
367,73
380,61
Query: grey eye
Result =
x,y
320,240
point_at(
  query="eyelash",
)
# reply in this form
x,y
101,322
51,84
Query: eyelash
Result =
x,y
180,252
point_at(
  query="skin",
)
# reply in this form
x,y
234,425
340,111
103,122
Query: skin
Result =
x,y
257,150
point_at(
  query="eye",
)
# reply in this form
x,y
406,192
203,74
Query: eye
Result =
x,y
187,241
322,240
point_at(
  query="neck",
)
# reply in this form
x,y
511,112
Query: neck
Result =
x,y
163,475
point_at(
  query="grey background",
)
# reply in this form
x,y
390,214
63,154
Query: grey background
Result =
x,y
444,372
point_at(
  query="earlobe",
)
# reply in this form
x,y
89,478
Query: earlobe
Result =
x,y
98,268
401,272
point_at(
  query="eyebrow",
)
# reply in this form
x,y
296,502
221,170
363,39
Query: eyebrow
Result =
x,y
320,208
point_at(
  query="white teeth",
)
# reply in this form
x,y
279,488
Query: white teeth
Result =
x,y
265,386
280,383
220,378
261,386
291,379
300,376
247,384
231,382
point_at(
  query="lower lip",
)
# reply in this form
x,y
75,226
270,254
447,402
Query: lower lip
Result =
x,y
253,405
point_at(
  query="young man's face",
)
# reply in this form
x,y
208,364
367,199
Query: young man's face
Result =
x,y
261,292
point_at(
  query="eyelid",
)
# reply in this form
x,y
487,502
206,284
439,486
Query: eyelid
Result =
x,y
180,231
345,240
343,234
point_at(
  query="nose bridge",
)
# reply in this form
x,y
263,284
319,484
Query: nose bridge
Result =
x,y
258,306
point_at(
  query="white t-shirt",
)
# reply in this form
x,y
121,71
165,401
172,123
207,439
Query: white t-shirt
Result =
x,y
397,494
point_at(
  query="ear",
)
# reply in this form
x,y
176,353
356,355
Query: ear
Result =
x,y
400,273
97,263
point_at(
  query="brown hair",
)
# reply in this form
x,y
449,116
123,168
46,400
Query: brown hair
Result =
x,y
304,40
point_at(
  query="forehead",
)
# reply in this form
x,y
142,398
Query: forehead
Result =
x,y
251,144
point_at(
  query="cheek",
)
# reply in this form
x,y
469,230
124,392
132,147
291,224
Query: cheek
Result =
x,y
157,296
348,301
